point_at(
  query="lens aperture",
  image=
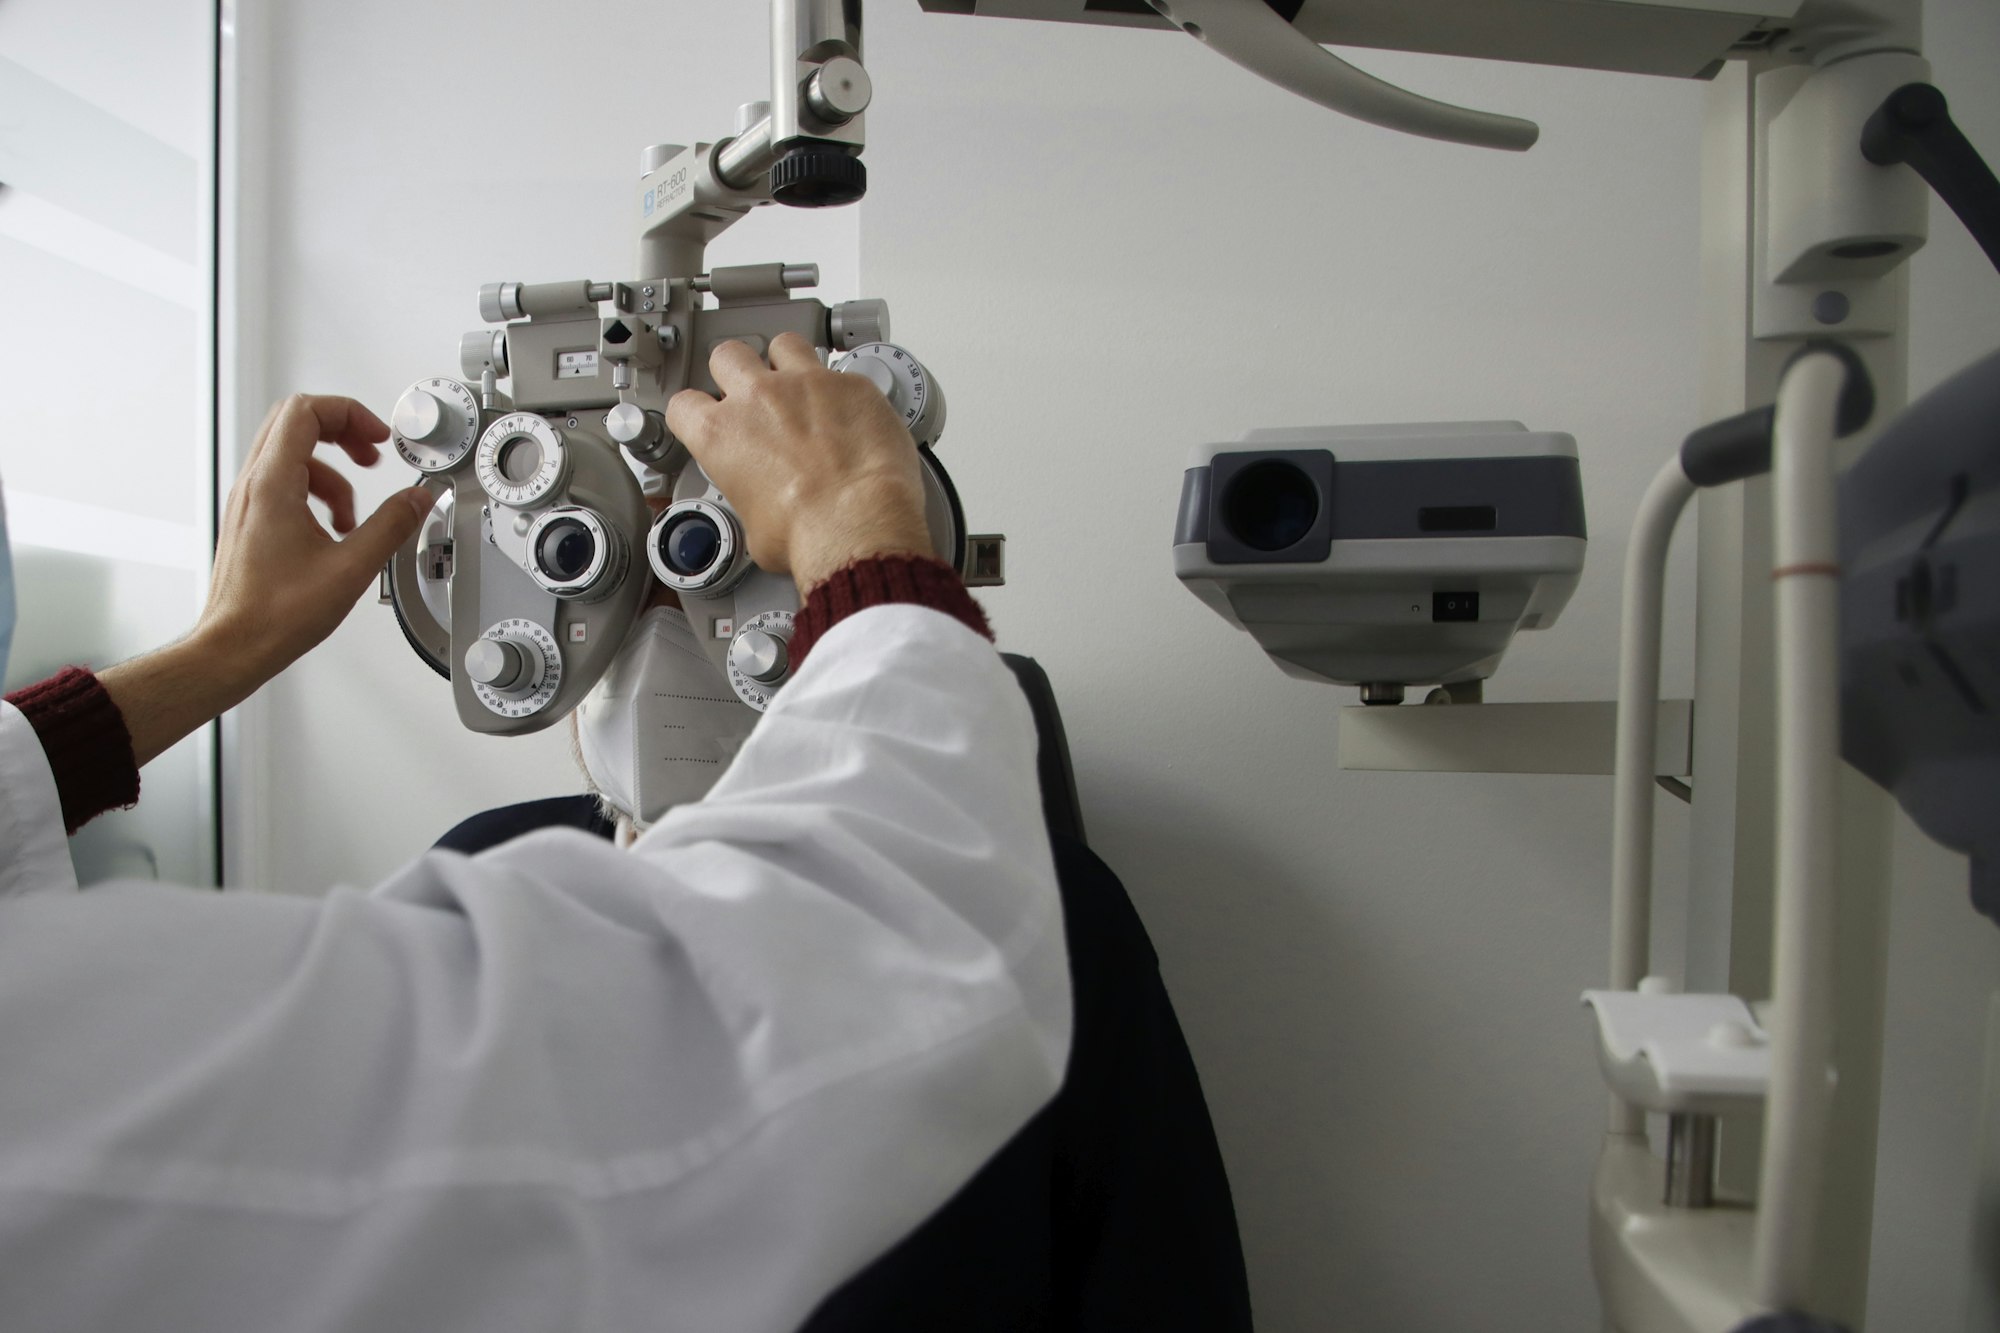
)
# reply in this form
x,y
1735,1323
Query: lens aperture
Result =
x,y
1271,505
566,550
689,545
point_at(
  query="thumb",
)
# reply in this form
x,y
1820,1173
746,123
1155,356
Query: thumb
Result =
x,y
394,522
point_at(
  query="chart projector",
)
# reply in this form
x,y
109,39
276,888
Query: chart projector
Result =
x,y
1385,556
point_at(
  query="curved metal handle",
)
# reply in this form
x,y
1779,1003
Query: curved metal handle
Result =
x,y
1250,33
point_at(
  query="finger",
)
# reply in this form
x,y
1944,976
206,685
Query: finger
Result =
x,y
688,414
735,366
262,436
324,481
305,419
791,352
361,451
357,424
392,524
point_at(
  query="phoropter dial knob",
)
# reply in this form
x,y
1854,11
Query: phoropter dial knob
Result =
x,y
515,667
521,460
501,665
434,424
760,657
760,654
643,433
904,382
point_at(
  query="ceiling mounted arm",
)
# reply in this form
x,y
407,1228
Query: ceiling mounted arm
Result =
x,y
1250,33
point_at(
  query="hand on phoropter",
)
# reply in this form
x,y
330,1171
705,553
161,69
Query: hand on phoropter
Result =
x,y
280,583
816,463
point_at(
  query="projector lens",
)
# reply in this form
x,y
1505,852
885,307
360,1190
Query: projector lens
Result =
x,y
1271,505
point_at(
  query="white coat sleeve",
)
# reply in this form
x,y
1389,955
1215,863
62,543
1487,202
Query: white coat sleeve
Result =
x,y
34,854
692,1086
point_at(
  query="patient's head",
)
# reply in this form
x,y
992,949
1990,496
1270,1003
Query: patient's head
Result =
x,y
660,727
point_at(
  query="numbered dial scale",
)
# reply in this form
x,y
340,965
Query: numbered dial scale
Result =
x,y
760,657
435,424
522,460
904,382
515,667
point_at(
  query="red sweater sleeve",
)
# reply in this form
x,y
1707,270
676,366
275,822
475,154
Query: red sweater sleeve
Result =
x,y
882,579
88,747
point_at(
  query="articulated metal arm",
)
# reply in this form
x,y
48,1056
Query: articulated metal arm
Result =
x,y
1258,39
802,147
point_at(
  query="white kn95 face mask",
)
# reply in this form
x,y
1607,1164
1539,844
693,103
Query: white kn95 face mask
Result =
x,y
662,725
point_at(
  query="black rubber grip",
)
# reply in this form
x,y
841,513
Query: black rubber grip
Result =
x,y
1739,447
1914,126
1733,449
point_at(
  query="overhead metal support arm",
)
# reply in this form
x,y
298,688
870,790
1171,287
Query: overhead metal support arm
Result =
x,y
1250,33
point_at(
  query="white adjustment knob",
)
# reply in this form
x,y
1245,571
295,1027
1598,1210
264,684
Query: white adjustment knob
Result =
x,y
876,372
497,664
435,424
856,322
515,668
904,382
420,417
631,425
760,655
839,90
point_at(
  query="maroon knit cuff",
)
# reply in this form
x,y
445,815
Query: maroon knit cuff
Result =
x,y
88,748
878,580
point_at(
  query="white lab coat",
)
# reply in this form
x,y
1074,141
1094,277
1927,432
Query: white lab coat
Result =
x,y
557,1086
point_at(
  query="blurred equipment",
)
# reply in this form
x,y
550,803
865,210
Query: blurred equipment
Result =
x,y
1920,617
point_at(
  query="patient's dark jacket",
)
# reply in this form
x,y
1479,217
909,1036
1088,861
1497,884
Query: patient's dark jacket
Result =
x,y
1109,1212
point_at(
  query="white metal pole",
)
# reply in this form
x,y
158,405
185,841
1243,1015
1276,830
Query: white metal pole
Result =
x,y
1638,728
1806,592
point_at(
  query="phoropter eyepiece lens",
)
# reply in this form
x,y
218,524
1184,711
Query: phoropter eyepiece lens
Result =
x,y
689,544
1271,505
574,553
695,547
565,550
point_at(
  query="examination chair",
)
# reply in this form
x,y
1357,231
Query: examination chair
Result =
x,y
1109,1211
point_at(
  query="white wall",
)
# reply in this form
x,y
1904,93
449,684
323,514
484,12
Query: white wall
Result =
x,y
106,459
1110,247
1113,247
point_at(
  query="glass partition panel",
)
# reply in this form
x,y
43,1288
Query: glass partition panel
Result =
x,y
106,307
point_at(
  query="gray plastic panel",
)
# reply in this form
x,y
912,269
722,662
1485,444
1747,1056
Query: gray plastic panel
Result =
x,y
1528,497
1191,524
